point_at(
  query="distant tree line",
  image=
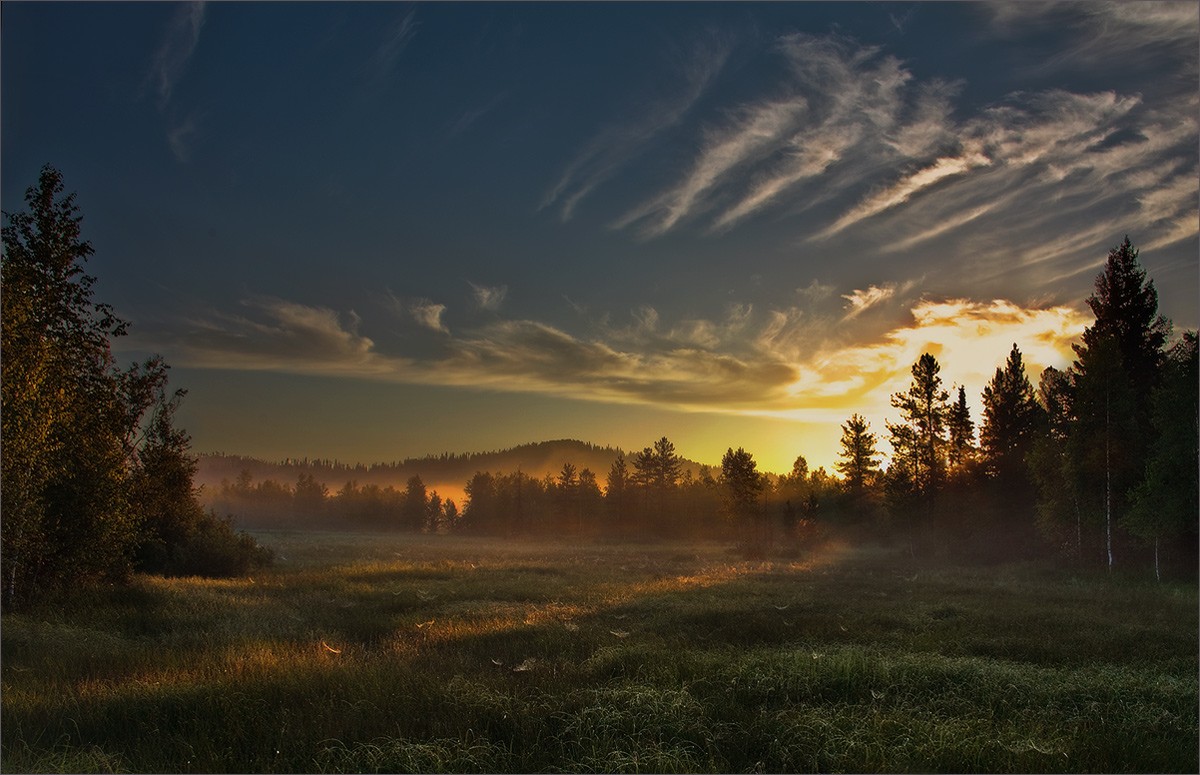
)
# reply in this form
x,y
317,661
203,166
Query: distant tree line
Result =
x,y
96,480
1097,465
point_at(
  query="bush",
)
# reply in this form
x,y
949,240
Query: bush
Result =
x,y
210,547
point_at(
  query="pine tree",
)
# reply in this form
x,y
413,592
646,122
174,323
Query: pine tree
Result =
x,y
1118,367
1012,421
919,439
859,461
1125,304
960,428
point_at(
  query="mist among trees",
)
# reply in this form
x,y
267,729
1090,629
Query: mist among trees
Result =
x,y
1095,465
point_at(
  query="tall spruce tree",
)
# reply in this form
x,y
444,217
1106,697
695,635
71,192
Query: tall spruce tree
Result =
x,y
960,430
1012,421
1118,367
859,461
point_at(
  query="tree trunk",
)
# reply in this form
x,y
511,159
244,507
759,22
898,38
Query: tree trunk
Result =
x,y
1108,482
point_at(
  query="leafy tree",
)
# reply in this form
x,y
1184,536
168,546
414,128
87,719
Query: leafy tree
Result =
x,y
657,472
163,490
567,490
1012,421
1103,442
92,469
69,421
618,495
433,512
590,499
450,516
308,497
480,512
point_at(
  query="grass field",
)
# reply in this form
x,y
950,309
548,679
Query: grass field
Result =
x,y
405,653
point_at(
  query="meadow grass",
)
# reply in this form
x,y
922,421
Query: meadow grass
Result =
x,y
392,653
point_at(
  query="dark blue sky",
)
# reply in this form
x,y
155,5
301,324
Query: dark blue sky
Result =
x,y
375,230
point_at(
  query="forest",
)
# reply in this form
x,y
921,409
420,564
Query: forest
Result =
x,y
1095,466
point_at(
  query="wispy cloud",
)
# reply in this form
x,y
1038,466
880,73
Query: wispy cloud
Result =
x,y
779,362
756,131
176,49
1133,33
167,68
180,138
859,301
396,38
616,145
904,189
273,334
833,97
468,117
489,297
851,146
429,315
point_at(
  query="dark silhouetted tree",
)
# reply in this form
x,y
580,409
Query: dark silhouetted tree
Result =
x,y
1125,304
1117,369
415,507
919,439
859,460
83,441
1059,512
741,487
960,432
1012,421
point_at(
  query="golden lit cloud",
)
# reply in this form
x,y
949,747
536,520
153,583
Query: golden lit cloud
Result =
x,y
970,339
766,365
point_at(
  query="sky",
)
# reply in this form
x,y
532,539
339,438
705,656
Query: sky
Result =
x,y
374,231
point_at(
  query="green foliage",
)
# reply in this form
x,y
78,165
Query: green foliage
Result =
x,y
68,423
93,471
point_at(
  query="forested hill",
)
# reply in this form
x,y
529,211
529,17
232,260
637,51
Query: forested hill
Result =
x,y
535,459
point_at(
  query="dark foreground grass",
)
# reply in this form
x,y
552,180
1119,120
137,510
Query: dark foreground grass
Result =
x,y
405,654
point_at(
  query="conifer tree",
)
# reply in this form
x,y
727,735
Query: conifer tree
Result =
x,y
1118,367
919,439
960,429
1012,421
859,461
